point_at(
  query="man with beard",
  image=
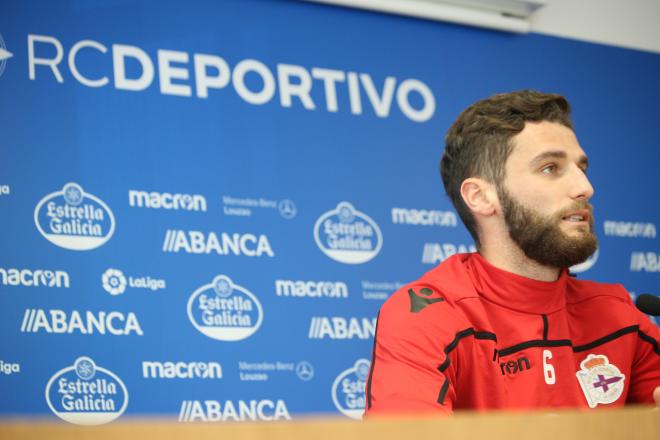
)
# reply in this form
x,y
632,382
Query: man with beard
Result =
x,y
508,327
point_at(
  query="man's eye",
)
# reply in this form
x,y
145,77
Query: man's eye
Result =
x,y
549,169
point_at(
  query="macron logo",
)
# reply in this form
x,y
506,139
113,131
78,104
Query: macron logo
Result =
x,y
181,370
311,289
155,200
423,217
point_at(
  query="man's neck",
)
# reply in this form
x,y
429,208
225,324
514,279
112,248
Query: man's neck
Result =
x,y
509,257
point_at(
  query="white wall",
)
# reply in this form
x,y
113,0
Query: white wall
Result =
x,y
632,24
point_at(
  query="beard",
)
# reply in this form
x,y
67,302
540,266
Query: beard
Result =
x,y
541,237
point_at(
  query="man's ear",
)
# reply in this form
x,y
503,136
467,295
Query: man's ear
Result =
x,y
480,196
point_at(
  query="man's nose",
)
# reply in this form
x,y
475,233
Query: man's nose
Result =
x,y
582,188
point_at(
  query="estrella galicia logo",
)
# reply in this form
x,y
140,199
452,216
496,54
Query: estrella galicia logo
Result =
x,y
4,55
86,394
585,265
348,235
225,311
73,219
348,388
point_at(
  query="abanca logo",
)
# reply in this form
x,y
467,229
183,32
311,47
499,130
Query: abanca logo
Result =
x,y
585,265
86,394
236,411
435,253
347,235
225,311
644,262
86,322
338,327
197,242
348,390
73,219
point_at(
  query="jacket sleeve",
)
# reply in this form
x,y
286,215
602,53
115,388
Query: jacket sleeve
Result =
x,y
411,335
646,365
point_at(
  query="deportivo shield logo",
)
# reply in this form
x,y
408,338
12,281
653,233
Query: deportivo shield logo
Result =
x,y
601,381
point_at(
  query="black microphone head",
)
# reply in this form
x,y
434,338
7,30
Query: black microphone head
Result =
x,y
649,304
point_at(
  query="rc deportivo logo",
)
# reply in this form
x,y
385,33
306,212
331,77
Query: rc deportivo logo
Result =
x,y
225,311
212,72
601,381
73,219
86,394
348,390
348,235
4,55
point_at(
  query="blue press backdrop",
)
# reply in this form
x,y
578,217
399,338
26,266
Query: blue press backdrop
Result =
x,y
287,224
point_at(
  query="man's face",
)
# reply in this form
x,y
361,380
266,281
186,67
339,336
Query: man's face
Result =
x,y
545,194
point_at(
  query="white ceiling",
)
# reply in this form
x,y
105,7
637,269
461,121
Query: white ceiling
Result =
x,y
633,24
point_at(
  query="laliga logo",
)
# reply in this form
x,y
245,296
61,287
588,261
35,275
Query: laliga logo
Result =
x,y
585,265
348,390
348,235
73,219
86,394
225,311
114,281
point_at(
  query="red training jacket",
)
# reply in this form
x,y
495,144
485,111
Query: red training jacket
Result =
x,y
470,336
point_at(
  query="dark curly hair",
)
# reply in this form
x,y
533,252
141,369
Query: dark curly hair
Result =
x,y
478,143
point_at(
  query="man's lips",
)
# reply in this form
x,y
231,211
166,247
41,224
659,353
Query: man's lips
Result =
x,y
581,216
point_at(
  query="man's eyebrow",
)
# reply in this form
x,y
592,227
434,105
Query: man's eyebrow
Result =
x,y
547,155
582,160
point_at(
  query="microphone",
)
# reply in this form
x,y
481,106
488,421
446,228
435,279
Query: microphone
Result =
x,y
649,304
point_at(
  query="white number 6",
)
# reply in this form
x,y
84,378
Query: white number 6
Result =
x,y
548,370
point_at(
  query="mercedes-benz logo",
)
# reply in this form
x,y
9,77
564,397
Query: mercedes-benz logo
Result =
x,y
304,370
287,209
